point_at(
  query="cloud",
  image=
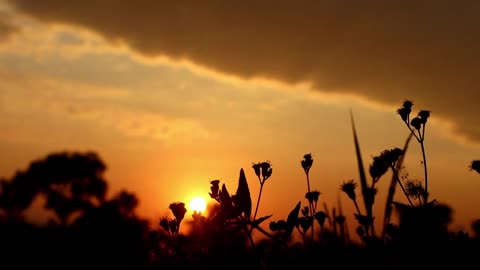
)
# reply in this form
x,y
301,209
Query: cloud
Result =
x,y
383,51
7,27
53,101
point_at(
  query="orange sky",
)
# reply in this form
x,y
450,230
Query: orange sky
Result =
x,y
172,102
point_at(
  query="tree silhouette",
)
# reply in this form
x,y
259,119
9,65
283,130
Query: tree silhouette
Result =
x,y
90,230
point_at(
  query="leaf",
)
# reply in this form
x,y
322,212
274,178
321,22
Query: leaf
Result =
x,y
260,220
292,218
242,199
361,169
226,206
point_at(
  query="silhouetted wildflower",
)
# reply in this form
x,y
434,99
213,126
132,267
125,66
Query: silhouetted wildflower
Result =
x,y
404,113
363,220
215,188
174,226
391,156
256,168
414,188
307,162
424,114
164,224
305,222
266,170
321,216
349,188
416,123
407,104
312,196
378,167
178,210
278,225
475,165
405,110
263,170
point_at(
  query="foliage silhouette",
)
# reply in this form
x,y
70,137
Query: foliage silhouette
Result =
x,y
89,229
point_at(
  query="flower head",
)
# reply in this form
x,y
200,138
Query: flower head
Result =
x,y
214,188
312,196
321,216
178,209
378,167
263,170
416,123
404,113
349,188
256,168
164,224
405,110
278,225
475,165
414,188
307,162
407,104
391,156
424,114
266,169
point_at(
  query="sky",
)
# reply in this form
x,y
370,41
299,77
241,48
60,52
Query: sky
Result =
x,y
174,94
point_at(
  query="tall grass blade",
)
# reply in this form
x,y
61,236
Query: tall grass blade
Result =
x,y
392,187
361,169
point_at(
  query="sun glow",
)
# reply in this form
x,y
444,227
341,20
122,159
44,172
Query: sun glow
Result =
x,y
198,204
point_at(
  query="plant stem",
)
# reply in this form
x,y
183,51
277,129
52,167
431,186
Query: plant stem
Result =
x,y
258,200
401,185
358,208
310,205
308,182
425,171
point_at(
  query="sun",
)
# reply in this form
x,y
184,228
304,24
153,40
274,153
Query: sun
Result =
x,y
198,204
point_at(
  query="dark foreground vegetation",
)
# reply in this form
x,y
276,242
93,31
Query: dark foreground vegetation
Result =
x,y
89,230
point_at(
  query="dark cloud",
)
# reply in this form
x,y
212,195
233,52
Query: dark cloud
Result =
x,y
7,28
386,51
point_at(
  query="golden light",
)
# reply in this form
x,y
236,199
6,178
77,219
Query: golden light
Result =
x,y
198,204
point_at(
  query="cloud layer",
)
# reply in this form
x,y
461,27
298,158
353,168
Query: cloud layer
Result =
x,y
385,51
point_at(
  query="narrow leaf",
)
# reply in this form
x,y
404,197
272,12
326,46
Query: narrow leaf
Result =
x,y
361,169
257,221
292,218
226,206
242,199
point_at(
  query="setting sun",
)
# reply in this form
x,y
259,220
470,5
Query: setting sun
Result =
x,y
198,204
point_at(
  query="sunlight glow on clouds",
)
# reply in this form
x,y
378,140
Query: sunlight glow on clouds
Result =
x,y
384,51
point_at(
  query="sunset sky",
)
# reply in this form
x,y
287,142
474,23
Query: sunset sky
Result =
x,y
174,94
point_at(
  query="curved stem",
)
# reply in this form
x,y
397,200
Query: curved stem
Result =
x,y
401,185
413,132
425,172
358,208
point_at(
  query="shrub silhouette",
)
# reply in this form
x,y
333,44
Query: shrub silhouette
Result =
x,y
89,230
